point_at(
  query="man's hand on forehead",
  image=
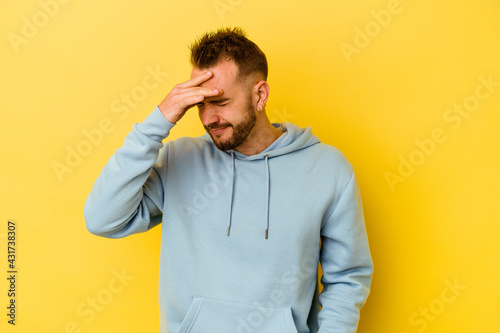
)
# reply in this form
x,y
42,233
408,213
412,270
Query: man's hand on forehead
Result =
x,y
186,95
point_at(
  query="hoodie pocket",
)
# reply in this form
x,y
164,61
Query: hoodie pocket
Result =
x,y
215,316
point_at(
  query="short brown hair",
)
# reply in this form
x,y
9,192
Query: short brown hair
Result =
x,y
229,44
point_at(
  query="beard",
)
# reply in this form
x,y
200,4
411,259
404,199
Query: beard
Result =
x,y
240,130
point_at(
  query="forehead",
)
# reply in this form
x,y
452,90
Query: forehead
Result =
x,y
224,74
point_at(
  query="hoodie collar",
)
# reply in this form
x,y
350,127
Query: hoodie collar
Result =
x,y
294,138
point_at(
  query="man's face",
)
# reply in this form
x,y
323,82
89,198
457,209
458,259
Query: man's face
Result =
x,y
228,118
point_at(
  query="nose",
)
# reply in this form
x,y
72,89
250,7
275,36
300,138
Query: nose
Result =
x,y
209,115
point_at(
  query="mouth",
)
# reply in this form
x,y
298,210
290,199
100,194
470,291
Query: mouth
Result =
x,y
219,130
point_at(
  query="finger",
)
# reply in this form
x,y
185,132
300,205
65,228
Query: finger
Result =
x,y
191,101
196,80
200,91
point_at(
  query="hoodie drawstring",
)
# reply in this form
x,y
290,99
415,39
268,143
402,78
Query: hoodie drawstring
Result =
x,y
232,194
268,190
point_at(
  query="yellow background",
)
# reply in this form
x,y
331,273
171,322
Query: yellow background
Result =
x,y
439,226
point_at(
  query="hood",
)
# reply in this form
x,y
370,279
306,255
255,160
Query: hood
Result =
x,y
293,139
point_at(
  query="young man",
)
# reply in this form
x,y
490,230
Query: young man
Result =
x,y
248,210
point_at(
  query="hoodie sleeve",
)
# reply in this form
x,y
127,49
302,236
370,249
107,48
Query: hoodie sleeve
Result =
x,y
127,197
346,263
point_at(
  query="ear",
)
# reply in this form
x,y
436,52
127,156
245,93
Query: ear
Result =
x,y
261,94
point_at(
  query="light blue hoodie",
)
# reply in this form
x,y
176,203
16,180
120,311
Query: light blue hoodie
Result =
x,y
241,235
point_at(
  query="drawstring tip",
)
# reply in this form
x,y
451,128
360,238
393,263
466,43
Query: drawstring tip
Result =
x,y
266,233
227,233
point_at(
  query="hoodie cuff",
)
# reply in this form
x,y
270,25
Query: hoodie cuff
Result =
x,y
155,126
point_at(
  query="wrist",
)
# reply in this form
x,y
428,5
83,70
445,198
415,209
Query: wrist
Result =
x,y
168,116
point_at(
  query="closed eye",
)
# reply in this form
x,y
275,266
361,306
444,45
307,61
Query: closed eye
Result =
x,y
200,105
219,102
